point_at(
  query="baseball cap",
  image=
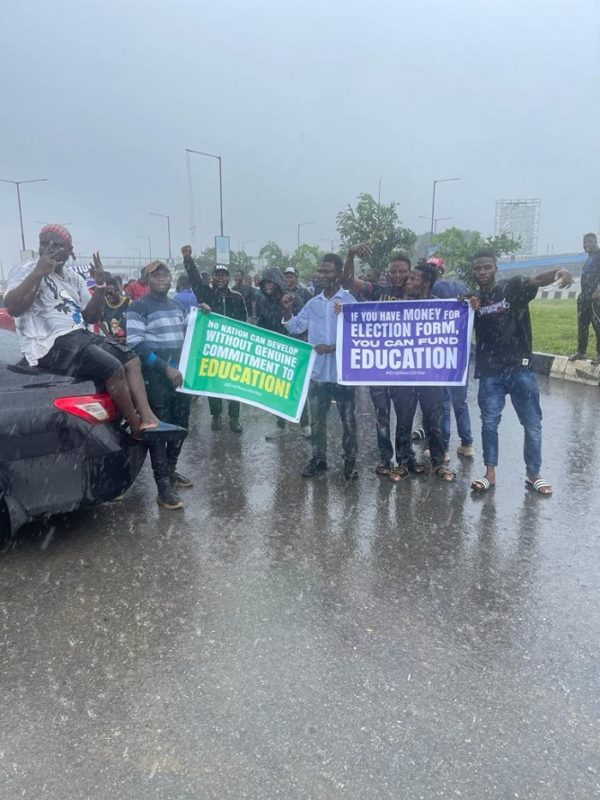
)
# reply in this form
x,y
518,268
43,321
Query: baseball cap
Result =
x,y
153,266
221,268
439,263
291,271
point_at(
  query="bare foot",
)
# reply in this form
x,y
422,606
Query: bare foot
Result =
x,y
148,423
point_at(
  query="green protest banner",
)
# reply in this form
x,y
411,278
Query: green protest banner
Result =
x,y
237,361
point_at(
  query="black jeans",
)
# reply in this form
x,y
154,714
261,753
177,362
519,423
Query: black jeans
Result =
x,y
381,397
405,399
320,396
170,406
215,405
588,310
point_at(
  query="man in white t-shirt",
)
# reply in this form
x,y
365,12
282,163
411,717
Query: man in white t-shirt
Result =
x,y
52,306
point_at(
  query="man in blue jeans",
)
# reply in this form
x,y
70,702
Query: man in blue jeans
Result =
x,y
503,363
454,397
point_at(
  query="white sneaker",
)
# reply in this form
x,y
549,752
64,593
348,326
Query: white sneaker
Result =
x,y
277,434
306,431
466,450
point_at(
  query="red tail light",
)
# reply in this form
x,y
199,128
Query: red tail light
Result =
x,y
93,408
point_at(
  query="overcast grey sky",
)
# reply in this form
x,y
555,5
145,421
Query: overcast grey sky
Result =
x,y
308,103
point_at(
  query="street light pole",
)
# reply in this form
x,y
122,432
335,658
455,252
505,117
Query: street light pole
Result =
x,y
439,180
300,225
148,239
209,155
165,216
17,184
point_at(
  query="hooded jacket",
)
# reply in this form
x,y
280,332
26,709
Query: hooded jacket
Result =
x,y
268,307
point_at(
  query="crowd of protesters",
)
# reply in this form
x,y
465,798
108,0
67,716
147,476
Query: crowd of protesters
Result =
x,y
138,333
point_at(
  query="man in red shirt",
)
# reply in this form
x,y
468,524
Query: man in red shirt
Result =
x,y
139,288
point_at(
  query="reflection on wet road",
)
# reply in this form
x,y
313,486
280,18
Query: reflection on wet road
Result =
x,y
282,638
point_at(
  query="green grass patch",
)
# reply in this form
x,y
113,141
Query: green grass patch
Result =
x,y
554,326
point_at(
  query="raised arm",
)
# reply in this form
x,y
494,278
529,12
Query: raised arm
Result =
x,y
20,299
546,278
93,310
198,287
349,281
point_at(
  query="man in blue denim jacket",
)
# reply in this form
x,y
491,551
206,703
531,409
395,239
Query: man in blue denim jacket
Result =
x,y
503,363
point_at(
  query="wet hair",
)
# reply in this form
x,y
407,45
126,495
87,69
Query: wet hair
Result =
x,y
401,257
428,271
484,254
112,280
333,258
590,236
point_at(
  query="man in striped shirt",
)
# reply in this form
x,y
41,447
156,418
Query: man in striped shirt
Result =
x,y
155,331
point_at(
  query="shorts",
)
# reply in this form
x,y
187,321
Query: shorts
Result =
x,y
85,355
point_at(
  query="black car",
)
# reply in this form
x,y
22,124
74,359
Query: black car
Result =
x,y
62,446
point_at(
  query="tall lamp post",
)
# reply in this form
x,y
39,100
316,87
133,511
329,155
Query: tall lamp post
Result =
x,y
301,225
165,216
188,151
438,180
17,184
149,240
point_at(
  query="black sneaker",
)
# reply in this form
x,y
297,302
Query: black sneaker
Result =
x,y
216,424
350,471
167,496
313,468
179,481
234,425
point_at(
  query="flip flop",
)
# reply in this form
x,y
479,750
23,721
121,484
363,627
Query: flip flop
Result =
x,y
442,473
398,473
163,432
482,485
538,486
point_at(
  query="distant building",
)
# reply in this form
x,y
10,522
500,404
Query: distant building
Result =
x,y
520,219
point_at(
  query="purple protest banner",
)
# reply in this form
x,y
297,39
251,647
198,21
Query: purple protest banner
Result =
x,y
409,342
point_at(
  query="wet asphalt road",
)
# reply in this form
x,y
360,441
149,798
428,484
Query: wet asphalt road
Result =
x,y
284,638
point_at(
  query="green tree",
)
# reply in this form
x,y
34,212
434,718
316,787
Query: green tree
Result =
x,y
306,260
273,256
378,223
206,260
458,246
238,259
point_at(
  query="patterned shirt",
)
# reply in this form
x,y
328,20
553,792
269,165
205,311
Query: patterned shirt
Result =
x,y
56,309
156,330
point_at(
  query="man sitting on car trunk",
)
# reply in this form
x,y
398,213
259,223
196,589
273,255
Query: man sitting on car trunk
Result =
x,y
52,306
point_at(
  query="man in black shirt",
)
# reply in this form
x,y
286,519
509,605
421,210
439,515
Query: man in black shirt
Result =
x,y
269,314
503,363
377,292
222,300
588,302
292,286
